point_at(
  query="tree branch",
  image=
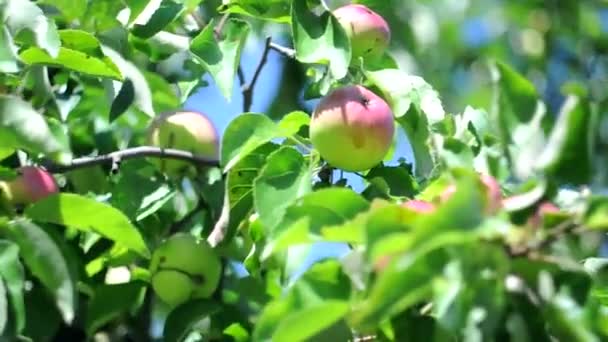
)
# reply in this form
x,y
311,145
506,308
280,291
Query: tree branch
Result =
x,y
217,31
285,51
129,153
247,90
553,235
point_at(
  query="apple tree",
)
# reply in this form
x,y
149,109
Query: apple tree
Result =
x,y
126,214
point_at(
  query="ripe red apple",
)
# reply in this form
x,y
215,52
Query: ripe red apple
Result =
x,y
420,206
369,33
352,128
493,193
543,208
183,268
183,130
31,185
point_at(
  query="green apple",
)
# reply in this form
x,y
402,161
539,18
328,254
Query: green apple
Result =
x,y
183,130
369,33
31,185
352,128
184,268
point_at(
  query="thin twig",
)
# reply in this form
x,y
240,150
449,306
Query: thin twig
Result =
x,y
217,31
241,76
247,90
178,225
285,51
130,153
218,234
553,235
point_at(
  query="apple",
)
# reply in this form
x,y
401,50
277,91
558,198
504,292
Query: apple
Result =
x,y
31,185
183,130
369,33
184,268
419,206
352,128
493,193
543,208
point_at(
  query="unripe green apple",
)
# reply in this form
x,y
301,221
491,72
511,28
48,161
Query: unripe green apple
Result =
x,y
419,206
183,130
183,268
352,128
492,191
369,33
31,185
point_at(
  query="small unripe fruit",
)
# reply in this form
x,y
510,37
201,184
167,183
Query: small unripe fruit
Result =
x,y
183,130
419,206
183,268
352,128
369,33
31,185
492,192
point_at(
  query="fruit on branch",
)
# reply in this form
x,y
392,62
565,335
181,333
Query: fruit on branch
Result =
x,y
492,192
352,128
369,33
183,268
419,206
183,130
32,184
542,209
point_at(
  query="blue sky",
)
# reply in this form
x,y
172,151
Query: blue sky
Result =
x,y
210,101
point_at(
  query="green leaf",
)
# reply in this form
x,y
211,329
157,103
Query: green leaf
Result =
x,y
272,10
566,320
110,301
21,127
569,152
163,16
24,16
142,92
123,100
398,178
221,58
304,219
4,314
9,61
596,213
12,272
71,9
239,184
48,262
83,213
285,178
291,123
243,135
518,94
301,325
417,107
320,38
73,60
407,280
410,91
519,117
82,41
322,292
182,319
